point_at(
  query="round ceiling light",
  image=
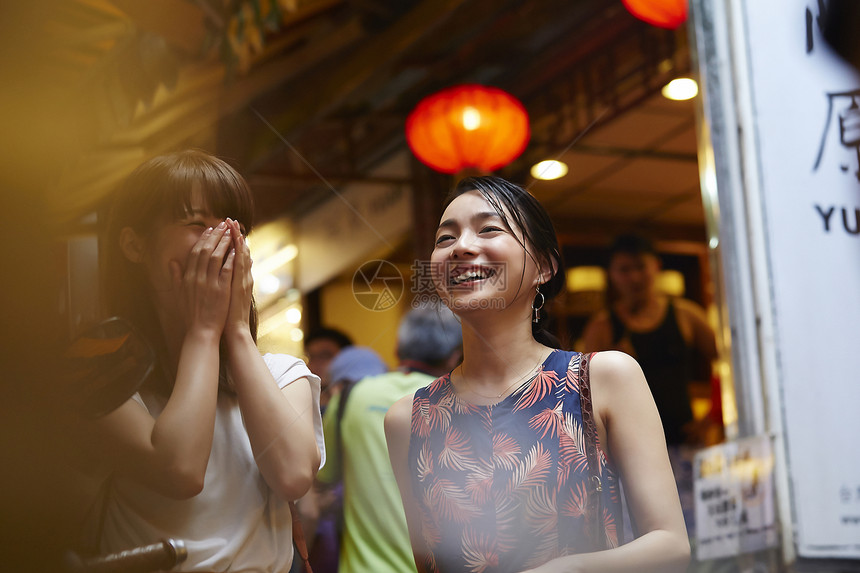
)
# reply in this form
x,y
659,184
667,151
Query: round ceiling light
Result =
x,y
549,170
680,89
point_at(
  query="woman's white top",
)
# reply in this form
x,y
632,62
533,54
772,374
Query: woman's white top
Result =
x,y
236,523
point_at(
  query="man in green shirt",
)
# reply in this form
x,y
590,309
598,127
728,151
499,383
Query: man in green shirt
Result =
x,y
375,538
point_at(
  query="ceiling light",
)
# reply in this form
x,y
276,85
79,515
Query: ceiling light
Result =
x,y
549,170
680,89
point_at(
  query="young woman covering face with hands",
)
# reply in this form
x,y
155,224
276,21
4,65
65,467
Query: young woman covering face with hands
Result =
x,y
490,458
220,438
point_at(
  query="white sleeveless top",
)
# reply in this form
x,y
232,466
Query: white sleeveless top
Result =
x,y
236,523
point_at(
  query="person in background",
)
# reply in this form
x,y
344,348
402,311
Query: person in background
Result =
x,y
375,538
219,438
321,346
669,337
323,507
512,461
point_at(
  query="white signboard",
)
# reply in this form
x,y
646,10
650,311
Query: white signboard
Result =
x,y
807,123
733,485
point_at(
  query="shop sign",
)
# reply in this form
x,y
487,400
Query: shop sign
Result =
x,y
733,486
806,109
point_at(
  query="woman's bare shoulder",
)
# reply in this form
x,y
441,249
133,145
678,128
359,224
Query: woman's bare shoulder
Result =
x,y
613,364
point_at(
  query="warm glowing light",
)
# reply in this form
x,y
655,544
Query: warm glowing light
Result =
x,y
296,335
549,170
274,261
267,284
680,89
585,278
668,14
471,118
468,127
671,282
294,315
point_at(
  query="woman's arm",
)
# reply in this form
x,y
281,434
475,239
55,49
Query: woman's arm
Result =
x,y
279,421
170,454
632,435
398,431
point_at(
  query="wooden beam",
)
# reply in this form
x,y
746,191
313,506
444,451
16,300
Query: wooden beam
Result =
x,y
180,23
328,88
599,232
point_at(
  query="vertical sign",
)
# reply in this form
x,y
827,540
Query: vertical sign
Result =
x,y
733,485
807,123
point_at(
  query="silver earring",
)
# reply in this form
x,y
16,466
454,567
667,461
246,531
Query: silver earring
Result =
x,y
536,309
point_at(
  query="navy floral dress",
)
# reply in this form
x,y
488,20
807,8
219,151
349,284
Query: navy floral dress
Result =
x,y
503,488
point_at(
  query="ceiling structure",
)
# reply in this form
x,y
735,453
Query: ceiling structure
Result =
x,y
318,94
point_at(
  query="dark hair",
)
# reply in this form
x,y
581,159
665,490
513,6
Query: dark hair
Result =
x,y
631,244
323,333
528,215
162,189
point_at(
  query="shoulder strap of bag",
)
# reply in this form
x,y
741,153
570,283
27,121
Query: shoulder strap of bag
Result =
x,y
595,492
341,409
299,538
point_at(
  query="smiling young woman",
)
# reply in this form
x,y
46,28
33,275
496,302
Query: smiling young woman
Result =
x,y
491,458
219,438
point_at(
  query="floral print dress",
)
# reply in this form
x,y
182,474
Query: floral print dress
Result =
x,y
503,488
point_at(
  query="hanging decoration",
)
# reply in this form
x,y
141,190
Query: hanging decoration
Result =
x,y
468,127
668,14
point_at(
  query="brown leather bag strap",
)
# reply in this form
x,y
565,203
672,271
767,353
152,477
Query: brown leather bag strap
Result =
x,y
299,538
595,492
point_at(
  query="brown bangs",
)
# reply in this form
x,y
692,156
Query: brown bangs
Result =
x,y
224,192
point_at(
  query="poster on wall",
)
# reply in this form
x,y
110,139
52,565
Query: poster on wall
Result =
x,y
733,488
807,125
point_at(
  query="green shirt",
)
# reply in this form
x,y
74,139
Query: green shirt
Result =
x,y
375,539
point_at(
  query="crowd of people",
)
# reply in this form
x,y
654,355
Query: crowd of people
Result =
x,y
488,447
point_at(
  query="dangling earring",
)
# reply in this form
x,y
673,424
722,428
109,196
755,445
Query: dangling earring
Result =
x,y
537,308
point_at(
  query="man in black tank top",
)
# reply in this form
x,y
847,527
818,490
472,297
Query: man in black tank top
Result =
x,y
666,361
670,338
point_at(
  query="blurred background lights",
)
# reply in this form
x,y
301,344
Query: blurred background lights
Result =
x,y
671,282
680,89
549,170
274,261
294,315
267,284
585,278
296,335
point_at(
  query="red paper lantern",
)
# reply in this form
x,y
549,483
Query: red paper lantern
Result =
x,y
468,126
661,13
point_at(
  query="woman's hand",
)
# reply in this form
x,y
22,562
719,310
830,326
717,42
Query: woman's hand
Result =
x,y
205,287
242,286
